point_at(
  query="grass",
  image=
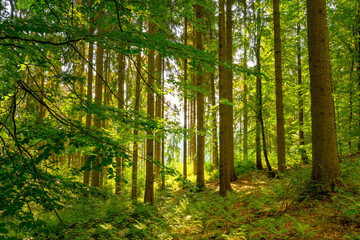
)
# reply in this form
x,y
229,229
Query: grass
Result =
x,y
257,208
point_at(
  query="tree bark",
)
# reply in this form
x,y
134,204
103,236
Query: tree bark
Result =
x,y
278,85
325,165
134,192
245,123
229,91
185,103
200,178
149,181
225,130
121,100
214,123
90,76
258,92
95,175
304,158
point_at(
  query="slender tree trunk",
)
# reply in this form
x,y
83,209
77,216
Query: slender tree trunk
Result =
x,y
214,122
325,165
301,102
81,87
121,100
225,130
200,178
95,176
134,193
278,85
163,134
358,63
193,141
351,113
158,115
90,77
229,91
149,181
185,104
258,93
245,142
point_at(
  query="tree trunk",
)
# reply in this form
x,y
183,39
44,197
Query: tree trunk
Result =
x,y
149,181
193,125
229,92
163,134
225,130
258,92
325,165
185,103
90,76
304,158
214,123
245,124
200,178
121,100
158,115
134,193
95,175
278,85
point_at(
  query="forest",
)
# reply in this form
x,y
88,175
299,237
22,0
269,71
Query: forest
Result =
x,y
179,119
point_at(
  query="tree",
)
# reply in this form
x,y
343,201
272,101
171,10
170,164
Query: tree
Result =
x,y
95,175
90,76
224,107
245,96
149,181
279,93
301,101
258,94
134,192
325,165
121,100
185,103
229,91
158,114
200,178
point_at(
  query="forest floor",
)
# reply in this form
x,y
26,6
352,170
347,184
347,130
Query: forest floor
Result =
x,y
258,207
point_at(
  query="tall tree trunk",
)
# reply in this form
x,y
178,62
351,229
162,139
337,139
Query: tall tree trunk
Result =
x,y
200,178
121,100
358,61
149,181
214,123
258,91
229,115
90,76
301,102
278,85
158,115
245,124
81,87
185,104
351,113
193,125
95,175
163,134
224,168
134,192
325,165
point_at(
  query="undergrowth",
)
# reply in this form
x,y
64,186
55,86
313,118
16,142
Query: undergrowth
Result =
x,y
257,208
